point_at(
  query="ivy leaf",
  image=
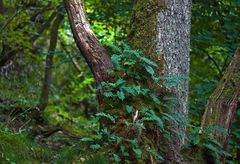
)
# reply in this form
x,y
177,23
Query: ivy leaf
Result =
x,y
120,95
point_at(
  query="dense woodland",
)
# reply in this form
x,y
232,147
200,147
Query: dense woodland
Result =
x,y
119,81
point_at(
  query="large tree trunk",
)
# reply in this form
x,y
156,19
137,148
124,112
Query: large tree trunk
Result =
x,y
89,46
222,105
49,62
162,28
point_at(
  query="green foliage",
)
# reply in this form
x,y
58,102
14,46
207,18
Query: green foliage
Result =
x,y
133,109
234,139
208,145
96,159
109,19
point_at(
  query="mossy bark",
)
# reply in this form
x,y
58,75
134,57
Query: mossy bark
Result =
x,y
222,105
161,28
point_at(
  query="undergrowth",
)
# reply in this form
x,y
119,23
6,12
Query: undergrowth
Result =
x,y
134,114
18,148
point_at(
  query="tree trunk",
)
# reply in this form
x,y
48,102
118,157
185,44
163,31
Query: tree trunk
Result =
x,y
1,7
49,62
222,105
161,29
94,53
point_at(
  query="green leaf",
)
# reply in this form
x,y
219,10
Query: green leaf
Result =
x,y
116,158
155,99
212,148
108,94
129,90
195,140
132,142
87,139
138,152
148,61
101,114
124,153
214,141
149,69
130,62
120,82
95,147
129,109
155,154
120,95
137,89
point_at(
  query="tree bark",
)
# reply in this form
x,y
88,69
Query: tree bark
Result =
x,y
95,54
49,62
222,105
162,28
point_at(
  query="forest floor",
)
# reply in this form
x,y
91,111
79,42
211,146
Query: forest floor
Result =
x,y
23,140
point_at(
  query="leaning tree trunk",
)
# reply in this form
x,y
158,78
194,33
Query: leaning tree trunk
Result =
x,y
161,28
224,101
91,49
49,62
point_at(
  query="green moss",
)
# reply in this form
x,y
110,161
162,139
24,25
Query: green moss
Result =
x,y
142,31
57,115
17,148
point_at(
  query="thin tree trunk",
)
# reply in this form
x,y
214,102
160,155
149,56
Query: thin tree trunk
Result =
x,y
161,29
49,62
89,46
222,105
7,55
1,7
